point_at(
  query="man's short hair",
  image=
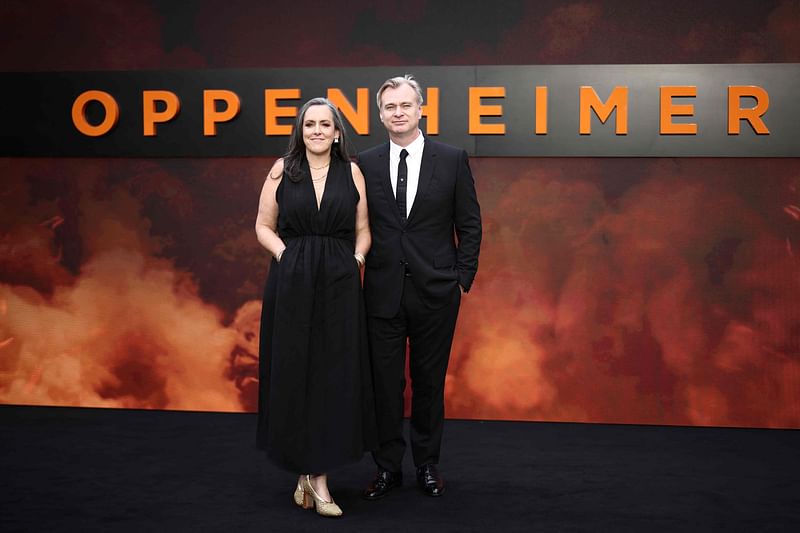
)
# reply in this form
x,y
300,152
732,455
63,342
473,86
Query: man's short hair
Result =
x,y
397,81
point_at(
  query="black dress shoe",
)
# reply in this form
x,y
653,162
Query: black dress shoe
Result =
x,y
430,481
384,482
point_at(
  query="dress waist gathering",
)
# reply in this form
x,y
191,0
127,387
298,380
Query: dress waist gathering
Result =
x,y
345,238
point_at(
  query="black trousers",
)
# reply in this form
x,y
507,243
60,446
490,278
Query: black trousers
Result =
x,y
429,333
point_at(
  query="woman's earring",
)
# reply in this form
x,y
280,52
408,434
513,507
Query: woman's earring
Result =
x,y
336,139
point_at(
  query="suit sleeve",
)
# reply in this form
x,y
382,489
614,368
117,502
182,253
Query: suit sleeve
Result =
x,y
467,221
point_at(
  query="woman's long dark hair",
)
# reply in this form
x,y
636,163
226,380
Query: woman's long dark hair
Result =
x,y
296,153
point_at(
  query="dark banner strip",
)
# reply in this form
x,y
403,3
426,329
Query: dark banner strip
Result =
x,y
567,110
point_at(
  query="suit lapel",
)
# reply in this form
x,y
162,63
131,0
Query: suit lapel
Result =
x,y
386,181
425,175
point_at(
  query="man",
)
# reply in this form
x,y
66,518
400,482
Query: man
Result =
x,y
426,233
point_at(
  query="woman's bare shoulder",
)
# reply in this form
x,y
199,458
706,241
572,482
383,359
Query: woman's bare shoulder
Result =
x,y
276,172
356,170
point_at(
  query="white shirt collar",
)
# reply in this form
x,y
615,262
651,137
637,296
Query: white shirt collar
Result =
x,y
414,149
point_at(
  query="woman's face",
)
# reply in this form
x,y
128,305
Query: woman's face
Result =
x,y
318,129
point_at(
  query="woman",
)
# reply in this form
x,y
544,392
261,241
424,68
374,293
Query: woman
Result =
x,y
316,407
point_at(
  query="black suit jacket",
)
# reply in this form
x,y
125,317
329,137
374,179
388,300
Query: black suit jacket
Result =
x,y
440,241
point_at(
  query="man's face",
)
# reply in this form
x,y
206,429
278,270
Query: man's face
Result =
x,y
400,111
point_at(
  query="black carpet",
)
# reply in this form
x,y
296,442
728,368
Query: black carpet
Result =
x,y
65,469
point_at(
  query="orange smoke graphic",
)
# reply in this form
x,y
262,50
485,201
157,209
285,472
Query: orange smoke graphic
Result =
x,y
128,329
609,290
670,300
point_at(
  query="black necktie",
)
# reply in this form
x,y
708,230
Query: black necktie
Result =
x,y
402,181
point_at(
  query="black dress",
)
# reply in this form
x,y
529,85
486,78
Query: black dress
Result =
x,y
316,405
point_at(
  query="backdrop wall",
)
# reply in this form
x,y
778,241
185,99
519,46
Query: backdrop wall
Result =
x,y
634,290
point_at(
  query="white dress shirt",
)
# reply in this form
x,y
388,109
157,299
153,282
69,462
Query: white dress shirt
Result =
x,y
413,162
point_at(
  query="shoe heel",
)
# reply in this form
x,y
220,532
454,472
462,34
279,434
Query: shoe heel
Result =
x,y
308,501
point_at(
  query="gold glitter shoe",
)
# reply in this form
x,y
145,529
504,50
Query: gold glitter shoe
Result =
x,y
298,495
311,500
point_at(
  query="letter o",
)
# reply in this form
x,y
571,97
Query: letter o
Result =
x,y
79,113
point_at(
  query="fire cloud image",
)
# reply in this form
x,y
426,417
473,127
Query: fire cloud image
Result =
x,y
610,290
